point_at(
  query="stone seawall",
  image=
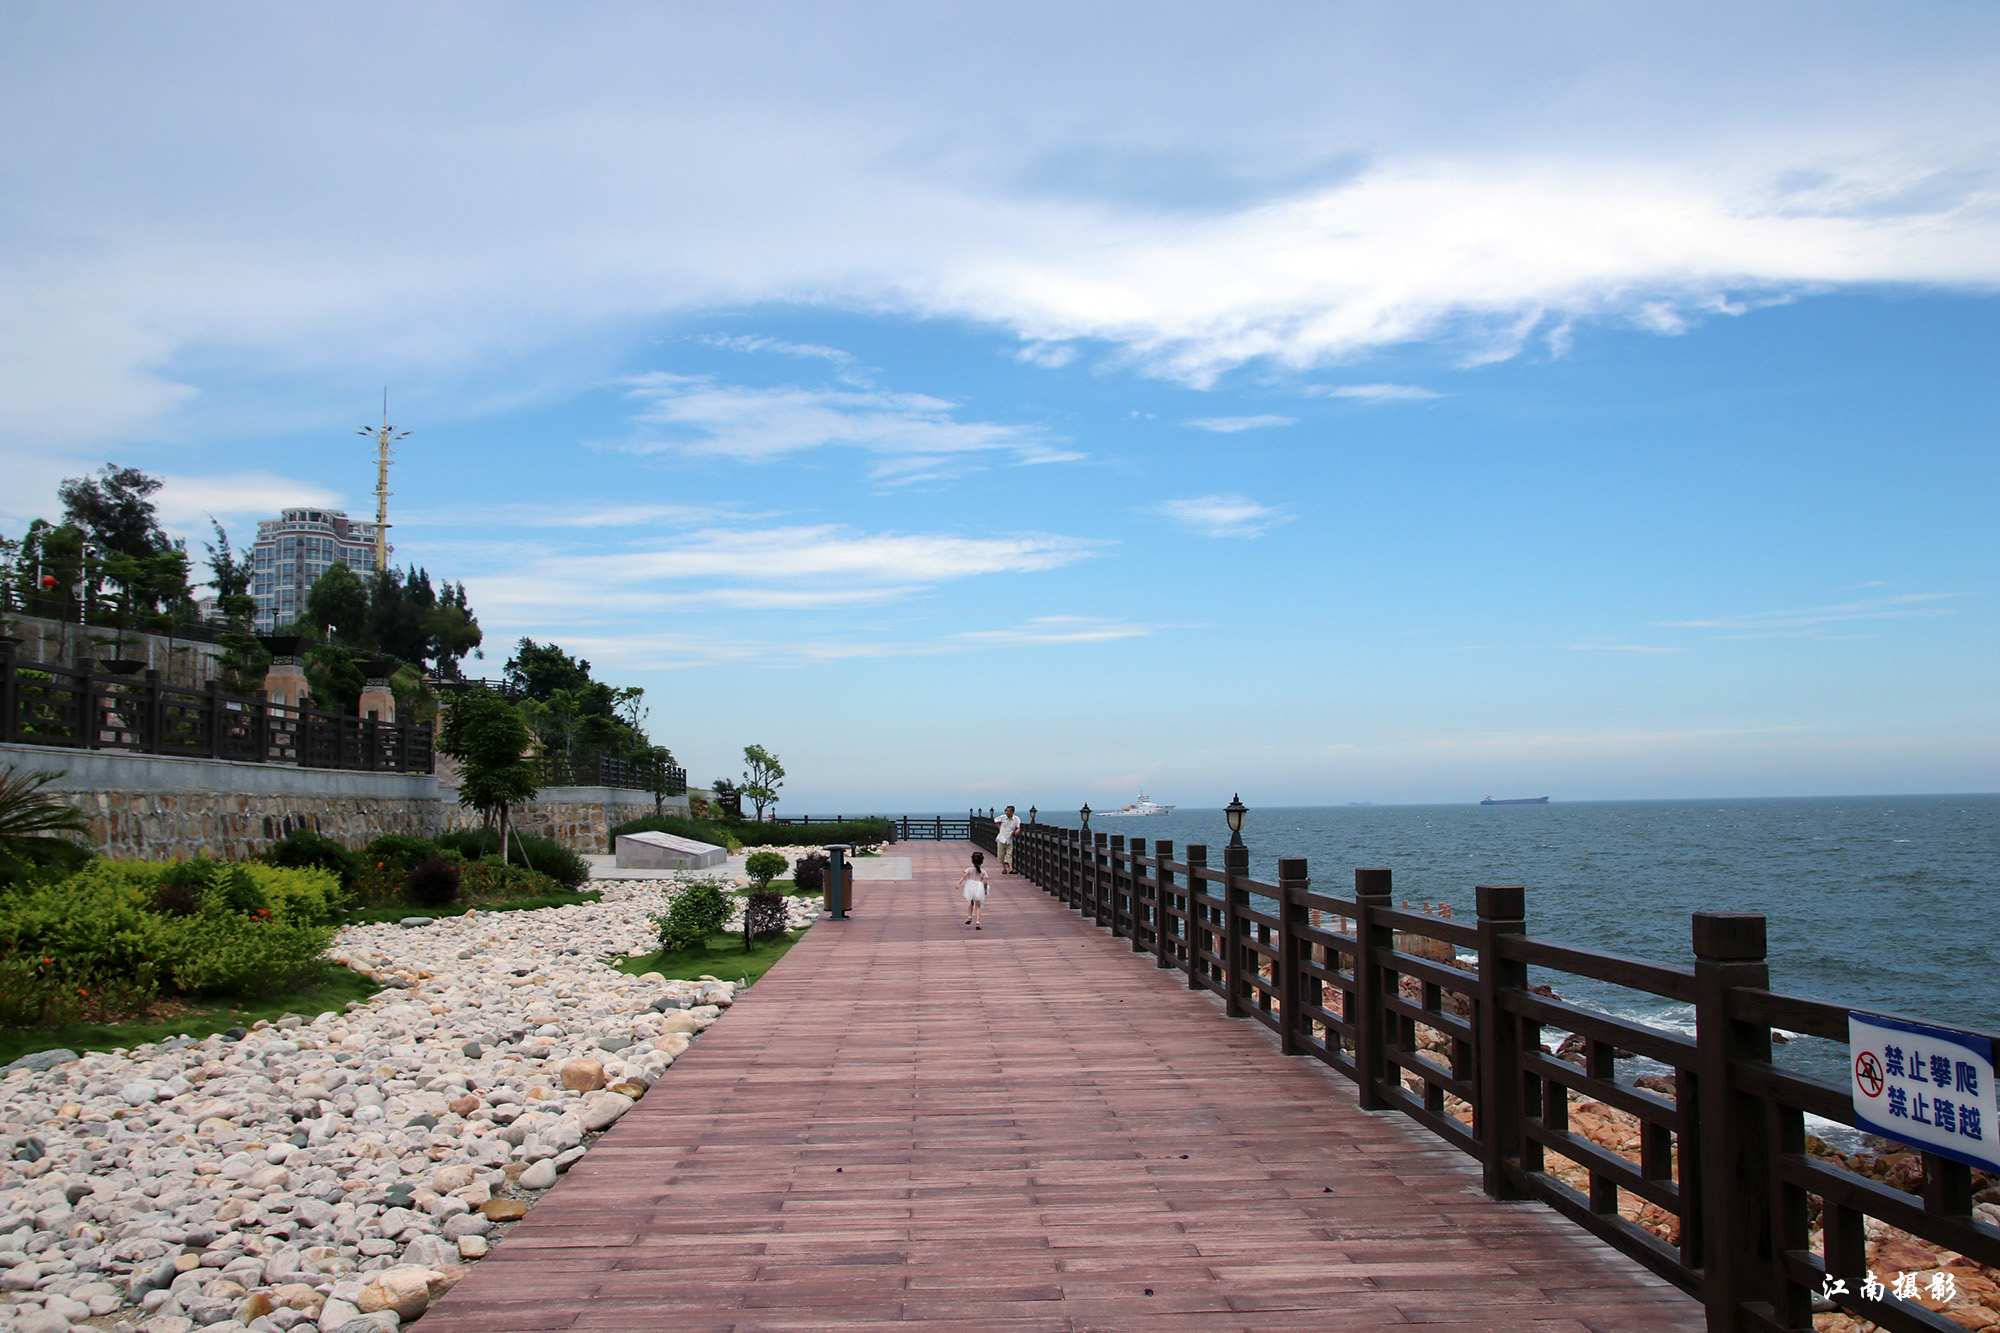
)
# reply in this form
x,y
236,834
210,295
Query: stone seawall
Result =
x,y
159,808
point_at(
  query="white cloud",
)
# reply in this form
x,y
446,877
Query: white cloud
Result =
x,y
188,501
1230,425
912,433
1223,515
1637,649
191,189
1381,393
1812,622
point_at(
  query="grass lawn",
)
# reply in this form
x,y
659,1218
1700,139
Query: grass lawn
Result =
x,y
723,957
370,916
199,1019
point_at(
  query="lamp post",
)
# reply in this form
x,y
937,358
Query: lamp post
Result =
x,y
1031,814
1084,815
1234,813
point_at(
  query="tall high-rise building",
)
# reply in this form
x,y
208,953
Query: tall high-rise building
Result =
x,y
295,549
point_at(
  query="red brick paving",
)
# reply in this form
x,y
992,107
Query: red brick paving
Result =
x,y
1024,1128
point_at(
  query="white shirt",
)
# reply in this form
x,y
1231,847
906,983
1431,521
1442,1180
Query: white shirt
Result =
x,y
1009,826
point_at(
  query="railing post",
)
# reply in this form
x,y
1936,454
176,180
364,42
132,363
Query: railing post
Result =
x,y
1502,911
1114,860
1138,849
10,696
1163,895
1292,882
1197,861
86,713
156,711
1371,895
1235,861
1735,1147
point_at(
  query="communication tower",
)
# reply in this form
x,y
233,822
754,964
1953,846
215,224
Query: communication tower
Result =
x,y
384,435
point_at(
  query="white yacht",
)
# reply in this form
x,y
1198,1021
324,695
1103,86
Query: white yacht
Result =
x,y
1142,806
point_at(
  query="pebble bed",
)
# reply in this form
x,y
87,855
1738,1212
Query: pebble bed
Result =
x,y
338,1172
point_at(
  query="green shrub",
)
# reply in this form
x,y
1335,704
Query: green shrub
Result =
x,y
486,880
433,882
697,911
31,825
764,914
548,856
120,930
762,868
303,849
809,873
398,851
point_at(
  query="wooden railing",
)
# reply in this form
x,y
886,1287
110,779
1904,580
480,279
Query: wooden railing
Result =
x,y
84,708
930,828
1435,1019
555,770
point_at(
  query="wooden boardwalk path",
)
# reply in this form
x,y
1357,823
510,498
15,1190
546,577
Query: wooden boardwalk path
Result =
x,y
1024,1128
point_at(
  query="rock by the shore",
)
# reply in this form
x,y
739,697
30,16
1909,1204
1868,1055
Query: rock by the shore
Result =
x,y
277,1177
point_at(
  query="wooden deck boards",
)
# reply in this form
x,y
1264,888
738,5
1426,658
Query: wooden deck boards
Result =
x,y
1020,1129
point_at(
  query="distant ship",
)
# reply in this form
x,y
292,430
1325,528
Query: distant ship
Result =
x,y
1142,806
1519,800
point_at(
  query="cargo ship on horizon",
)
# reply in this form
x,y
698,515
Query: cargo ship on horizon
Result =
x,y
1518,800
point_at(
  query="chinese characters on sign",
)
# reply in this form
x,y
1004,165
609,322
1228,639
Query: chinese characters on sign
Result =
x,y
1931,1088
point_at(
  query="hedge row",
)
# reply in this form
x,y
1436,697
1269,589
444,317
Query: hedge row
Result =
x,y
747,833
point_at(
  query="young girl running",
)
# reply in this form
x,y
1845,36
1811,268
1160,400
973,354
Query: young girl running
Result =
x,y
973,882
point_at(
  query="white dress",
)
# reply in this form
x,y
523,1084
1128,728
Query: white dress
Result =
x,y
975,887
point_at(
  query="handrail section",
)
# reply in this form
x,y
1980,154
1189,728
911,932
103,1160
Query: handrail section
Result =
x,y
1437,1020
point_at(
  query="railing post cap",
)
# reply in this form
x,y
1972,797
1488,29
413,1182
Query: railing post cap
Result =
x,y
1372,882
1729,937
1197,851
1503,902
1291,867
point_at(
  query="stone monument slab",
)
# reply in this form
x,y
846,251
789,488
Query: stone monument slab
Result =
x,y
665,851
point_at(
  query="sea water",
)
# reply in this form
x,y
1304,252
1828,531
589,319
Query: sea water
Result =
x,y
1887,903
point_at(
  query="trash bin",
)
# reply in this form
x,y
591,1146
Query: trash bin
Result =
x,y
839,881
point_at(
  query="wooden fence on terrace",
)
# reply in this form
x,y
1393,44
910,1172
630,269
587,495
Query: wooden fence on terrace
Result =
x,y
84,708
1345,981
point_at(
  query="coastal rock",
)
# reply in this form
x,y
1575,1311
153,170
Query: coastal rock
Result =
x,y
539,1176
581,1075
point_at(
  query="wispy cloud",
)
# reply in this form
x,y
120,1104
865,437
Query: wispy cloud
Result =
x,y
1230,425
797,568
1057,629
1812,622
568,516
1379,393
913,435
1223,515
850,369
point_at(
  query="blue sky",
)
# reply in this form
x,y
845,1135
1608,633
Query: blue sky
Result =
x,y
1326,403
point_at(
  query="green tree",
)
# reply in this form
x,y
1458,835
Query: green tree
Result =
x,y
339,598
657,764
231,576
336,678
115,510
452,629
763,775
485,734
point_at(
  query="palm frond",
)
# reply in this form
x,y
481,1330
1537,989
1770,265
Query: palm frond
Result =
x,y
27,812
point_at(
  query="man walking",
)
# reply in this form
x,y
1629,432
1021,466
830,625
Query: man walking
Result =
x,y
1004,839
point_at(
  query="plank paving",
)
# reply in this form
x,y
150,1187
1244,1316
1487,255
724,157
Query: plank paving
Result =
x,y
1020,1129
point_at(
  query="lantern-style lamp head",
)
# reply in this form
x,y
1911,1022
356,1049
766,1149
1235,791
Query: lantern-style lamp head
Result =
x,y
1234,813
1031,814
1084,815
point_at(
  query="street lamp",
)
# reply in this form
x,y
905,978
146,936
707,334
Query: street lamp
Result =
x,y
1084,814
1234,813
1031,814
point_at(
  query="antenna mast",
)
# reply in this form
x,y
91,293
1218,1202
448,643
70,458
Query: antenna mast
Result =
x,y
383,435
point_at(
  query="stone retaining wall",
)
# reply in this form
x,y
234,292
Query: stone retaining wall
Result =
x,y
147,807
